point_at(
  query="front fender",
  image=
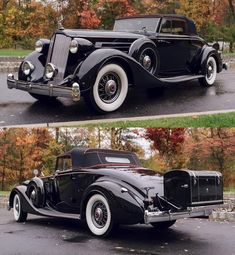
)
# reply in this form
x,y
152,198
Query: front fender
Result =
x,y
137,75
39,62
125,208
21,190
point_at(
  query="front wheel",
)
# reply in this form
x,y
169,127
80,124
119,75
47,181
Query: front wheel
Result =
x,y
98,215
163,225
210,73
110,89
19,214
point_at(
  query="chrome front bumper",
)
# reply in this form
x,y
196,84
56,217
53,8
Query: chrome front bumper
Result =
x,y
198,211
45,89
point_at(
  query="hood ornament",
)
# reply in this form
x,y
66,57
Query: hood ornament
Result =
x,y
147,189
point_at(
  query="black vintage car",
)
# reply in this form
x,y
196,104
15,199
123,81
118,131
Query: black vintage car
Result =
x,y
106,188
141,51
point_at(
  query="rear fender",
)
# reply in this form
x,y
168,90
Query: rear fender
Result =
x,y
208,51
124,206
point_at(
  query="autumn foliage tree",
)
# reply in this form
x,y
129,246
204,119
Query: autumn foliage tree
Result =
x,y
169,144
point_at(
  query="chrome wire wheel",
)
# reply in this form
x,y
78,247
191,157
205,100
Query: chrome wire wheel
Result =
x,y
98,215
19,214
148,59
109,87
211,70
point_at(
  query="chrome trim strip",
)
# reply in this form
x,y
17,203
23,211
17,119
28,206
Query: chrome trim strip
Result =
x,y
42,89
159,216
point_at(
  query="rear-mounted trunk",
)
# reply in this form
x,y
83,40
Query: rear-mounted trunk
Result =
x,y
185,188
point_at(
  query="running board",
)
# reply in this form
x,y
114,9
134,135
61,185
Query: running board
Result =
x,y
182,78
53,213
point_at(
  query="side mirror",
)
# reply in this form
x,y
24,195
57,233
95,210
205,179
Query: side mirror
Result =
x,y
35,172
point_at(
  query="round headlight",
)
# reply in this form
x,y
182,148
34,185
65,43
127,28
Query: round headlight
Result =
x,y
27,68
50,71
73,47
39,46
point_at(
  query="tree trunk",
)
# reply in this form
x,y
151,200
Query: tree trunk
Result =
x,y
232,8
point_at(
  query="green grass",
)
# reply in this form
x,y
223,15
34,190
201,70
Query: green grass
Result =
x,y
213,120
14,52
4,193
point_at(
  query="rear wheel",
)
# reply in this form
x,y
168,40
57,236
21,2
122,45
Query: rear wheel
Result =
x,y
98,215
110,89
210,73
19,214
163,225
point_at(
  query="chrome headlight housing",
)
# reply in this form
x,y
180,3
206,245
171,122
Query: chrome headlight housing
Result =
x,y
39,46
73,47
27,68
50,71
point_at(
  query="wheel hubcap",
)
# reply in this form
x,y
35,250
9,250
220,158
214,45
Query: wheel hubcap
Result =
x,y
109,87
210,70
147,62
99,214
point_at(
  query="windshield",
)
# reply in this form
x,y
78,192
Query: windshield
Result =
x,y
136,25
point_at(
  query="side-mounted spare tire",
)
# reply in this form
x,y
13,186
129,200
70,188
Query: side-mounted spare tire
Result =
x,y
35,194
145,52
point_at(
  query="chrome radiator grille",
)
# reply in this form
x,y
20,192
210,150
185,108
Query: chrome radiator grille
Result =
x,y
58,55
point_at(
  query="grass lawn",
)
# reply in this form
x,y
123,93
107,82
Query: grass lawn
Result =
x,y
213,120
4,193
14,52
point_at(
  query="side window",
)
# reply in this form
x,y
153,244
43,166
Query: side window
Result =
x,y
64,163
178,27
166,26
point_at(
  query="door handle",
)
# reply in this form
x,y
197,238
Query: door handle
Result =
x,y
164,41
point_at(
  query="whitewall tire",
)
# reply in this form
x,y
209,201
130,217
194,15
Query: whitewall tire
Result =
x,y
19,214
210,72
98,215
110,88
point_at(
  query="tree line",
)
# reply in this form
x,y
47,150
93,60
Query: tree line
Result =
x,y
23,21
161,149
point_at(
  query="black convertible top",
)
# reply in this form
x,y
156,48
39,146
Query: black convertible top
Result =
x,y
84,157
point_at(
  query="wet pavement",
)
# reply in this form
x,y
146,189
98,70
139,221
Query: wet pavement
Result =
x,y
56,236
18,107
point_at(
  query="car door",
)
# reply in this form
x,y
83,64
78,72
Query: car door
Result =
x,y
66,186
173,45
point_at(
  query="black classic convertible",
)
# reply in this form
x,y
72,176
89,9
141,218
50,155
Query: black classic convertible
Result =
x,y
106,188
141,51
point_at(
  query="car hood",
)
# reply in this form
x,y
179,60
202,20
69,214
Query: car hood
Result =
x,y
139,178
87,33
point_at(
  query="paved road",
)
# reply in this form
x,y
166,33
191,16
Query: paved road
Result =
x,y
59,237
17,107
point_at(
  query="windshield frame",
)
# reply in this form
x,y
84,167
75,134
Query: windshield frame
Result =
x,y
156,21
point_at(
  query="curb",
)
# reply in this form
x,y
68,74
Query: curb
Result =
x,y
100,121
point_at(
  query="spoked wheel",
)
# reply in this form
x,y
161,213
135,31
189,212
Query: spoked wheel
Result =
x,y
98,215
110,89
148,59
19,214
210,73
163,225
